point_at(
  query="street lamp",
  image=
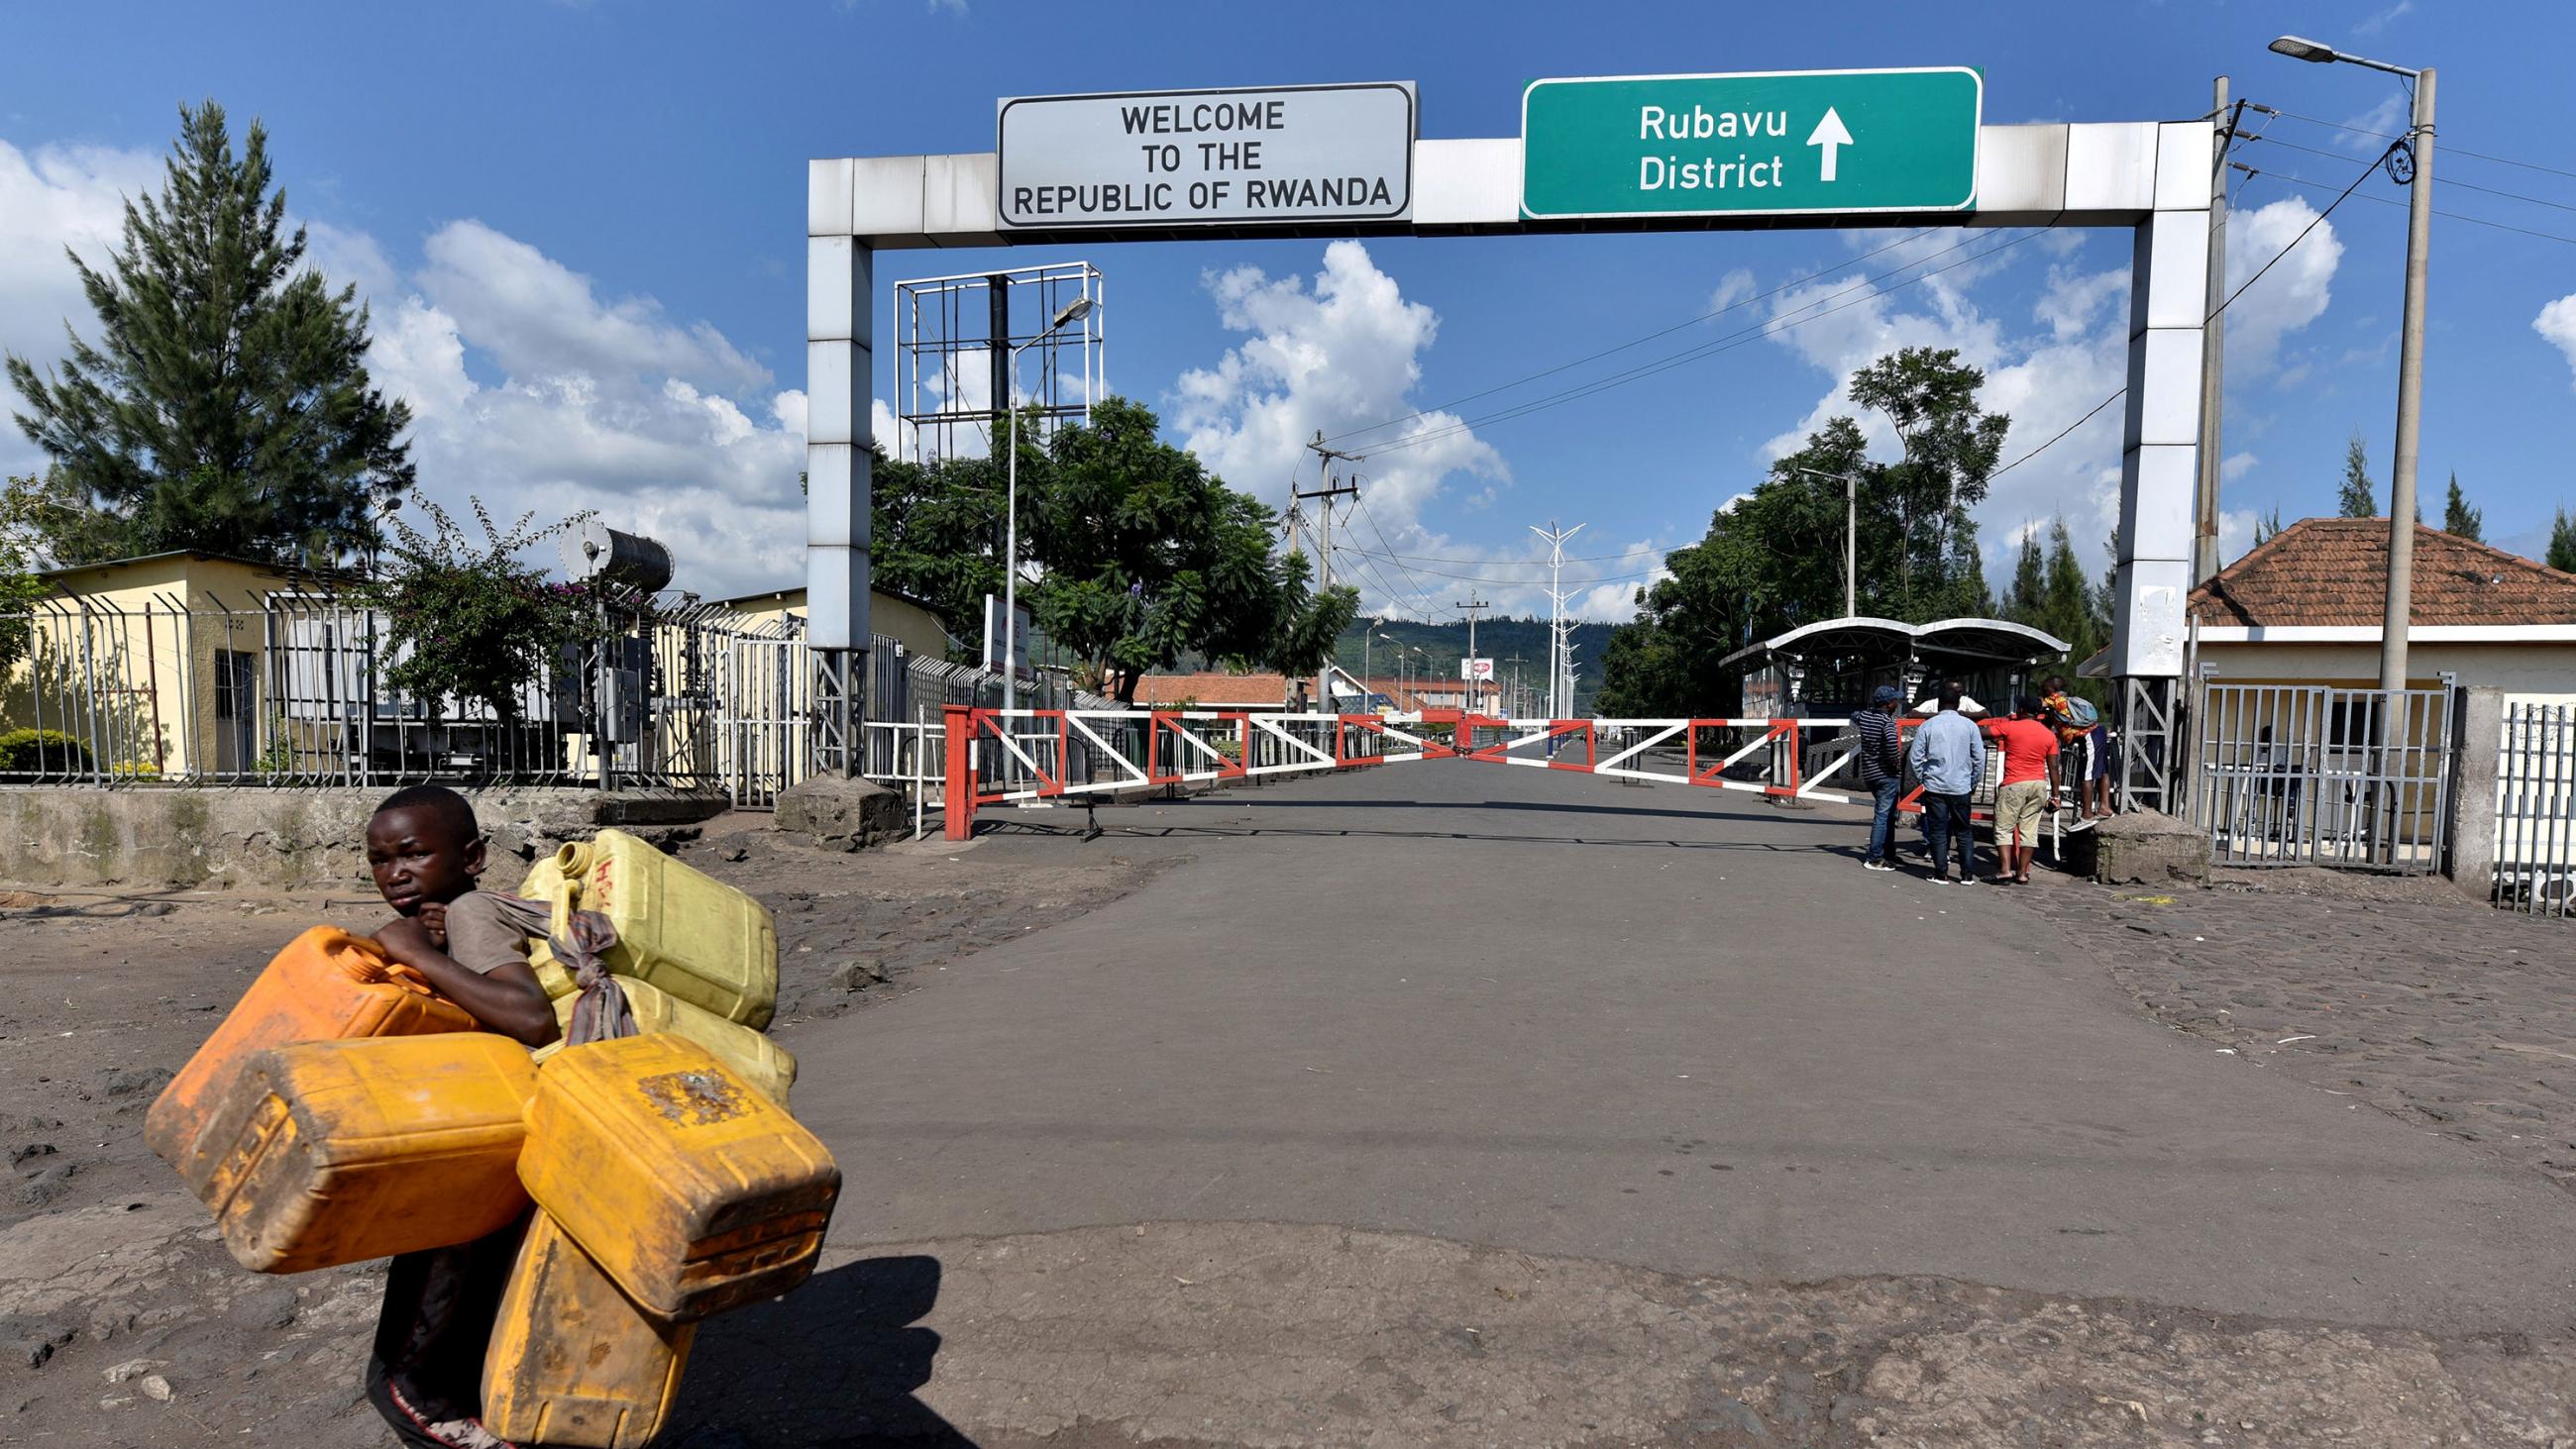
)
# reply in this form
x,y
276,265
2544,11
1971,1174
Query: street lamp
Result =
x,y
2410,350
1074,311
1851,536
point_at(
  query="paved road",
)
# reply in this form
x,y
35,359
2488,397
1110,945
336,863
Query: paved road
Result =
x,y
1660,1028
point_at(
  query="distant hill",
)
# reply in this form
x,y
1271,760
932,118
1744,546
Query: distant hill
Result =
x,y
1498,639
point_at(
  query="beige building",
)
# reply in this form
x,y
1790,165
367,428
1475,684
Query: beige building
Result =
x,y
908,622
161,657
2305,608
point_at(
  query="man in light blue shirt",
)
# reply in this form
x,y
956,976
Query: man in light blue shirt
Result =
x,y
1949,757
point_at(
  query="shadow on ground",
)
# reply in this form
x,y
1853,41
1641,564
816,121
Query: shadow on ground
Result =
x,y
834,1363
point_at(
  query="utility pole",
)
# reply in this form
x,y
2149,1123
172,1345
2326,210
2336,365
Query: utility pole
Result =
x,y
2213,358
1514,707
2410,401
1560,650
1333,488
1466,671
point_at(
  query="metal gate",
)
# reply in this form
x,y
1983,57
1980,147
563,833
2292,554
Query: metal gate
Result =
x,y
2354,779
2535,858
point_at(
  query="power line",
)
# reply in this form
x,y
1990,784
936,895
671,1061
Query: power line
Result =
x,y
2313,223
1624,346
2392,201
2446,181
1515,583
2448,148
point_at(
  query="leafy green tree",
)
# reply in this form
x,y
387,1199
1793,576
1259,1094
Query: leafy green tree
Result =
x,y
2030,580
2459,518
226,405
2562,543
2268,526
1772,558
936,531
475,622
1952,446
1146,555
2358,497
20,587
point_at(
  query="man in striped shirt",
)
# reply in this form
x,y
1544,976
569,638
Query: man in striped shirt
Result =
x,y
1882,769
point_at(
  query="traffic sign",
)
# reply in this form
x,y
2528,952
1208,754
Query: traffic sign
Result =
x,y
1179,158
1769,143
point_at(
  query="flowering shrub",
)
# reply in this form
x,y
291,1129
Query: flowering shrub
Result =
x,y
473,621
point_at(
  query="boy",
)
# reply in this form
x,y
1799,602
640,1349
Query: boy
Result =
x,y
426,854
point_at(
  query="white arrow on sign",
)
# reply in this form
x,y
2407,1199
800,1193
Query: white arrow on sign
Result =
x,y
1829,133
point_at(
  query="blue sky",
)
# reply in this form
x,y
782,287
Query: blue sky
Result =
x,y
580,228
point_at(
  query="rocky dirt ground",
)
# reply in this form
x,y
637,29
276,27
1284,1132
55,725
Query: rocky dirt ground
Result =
x,y
125,1323
2443,1012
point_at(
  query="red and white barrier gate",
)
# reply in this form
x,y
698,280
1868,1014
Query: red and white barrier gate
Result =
x,y
994,756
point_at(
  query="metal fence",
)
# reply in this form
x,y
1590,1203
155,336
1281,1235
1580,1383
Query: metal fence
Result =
x,y
2353,779
291,690
2535,856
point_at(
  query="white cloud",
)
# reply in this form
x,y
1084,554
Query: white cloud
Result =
x,y
1340,357
2372,129
52,198
2046,380
1732,288
2379,22
536,317
2235,466
665,429
2557,323
2235,535
527,387
2291,295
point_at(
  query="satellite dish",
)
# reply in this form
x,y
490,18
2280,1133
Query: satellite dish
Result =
x,y
595,553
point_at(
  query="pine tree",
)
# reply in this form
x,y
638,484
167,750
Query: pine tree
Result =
x,y
2358,498
2030,581
2459,518
2267,527
225,406
2562,543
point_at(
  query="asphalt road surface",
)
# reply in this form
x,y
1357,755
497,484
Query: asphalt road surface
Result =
x,y
1667,1029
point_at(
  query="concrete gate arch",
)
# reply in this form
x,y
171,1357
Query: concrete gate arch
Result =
x,y
2149,176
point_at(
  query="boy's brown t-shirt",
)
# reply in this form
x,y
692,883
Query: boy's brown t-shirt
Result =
x,y
479,937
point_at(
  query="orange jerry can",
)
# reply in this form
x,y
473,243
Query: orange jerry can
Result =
x,y
326,984
340,1151
691,1188
573,1361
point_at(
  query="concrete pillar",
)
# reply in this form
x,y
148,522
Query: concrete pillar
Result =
x,y
839,338
2477,741
2159,460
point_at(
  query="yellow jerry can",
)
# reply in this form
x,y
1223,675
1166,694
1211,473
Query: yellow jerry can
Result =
x,y
573,1361
693,936
341,1151
762,1062
687,1185
326,984
545,882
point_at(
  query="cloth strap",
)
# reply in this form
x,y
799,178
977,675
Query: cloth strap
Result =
x,y
601,1013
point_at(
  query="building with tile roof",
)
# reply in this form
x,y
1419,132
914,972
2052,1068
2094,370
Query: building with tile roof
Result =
x,y
2305,608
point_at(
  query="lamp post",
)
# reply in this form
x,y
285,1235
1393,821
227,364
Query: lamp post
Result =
x,y
1074,311
2410,353
1851,536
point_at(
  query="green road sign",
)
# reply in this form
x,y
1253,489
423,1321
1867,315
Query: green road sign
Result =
x,y
1778,143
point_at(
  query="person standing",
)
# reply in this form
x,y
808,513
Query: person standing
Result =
x,y
1882,769
2028,790
1949,757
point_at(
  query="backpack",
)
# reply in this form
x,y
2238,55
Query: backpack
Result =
x,y
2079,715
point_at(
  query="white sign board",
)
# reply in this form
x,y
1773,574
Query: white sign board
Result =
x,y
1481,670
1209,158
